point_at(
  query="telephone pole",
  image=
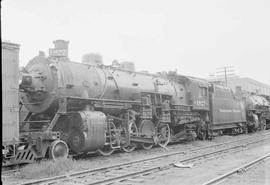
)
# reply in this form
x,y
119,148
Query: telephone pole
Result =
x,y
225,73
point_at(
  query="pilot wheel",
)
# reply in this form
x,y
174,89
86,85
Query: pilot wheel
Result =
x,y
58,150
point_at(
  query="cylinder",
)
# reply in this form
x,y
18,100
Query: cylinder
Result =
x,y
94,124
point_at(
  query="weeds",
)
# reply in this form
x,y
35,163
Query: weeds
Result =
x,y
47,168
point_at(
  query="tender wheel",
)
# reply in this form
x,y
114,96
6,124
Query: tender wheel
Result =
x,y
201,131
147,127
263,125
132,129
245,129
58,150
163,133
107,149
202,135
210,134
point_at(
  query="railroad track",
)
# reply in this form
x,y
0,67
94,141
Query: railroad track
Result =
x,y
9,172
242,168
129,170
16,169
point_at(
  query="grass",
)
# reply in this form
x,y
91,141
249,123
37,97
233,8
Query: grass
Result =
x,y
47,168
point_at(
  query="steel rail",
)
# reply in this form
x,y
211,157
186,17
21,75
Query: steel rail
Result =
x,y
134,161
239,169
128,163
143,160
8,172
141,172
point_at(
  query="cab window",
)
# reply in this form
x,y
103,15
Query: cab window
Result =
x,y
202,91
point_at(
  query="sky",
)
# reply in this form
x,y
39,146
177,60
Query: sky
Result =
x,y
194,37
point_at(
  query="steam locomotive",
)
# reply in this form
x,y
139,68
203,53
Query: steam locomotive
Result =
x,y
73,108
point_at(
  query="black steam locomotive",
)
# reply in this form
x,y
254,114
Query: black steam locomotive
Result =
x,y
73,108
